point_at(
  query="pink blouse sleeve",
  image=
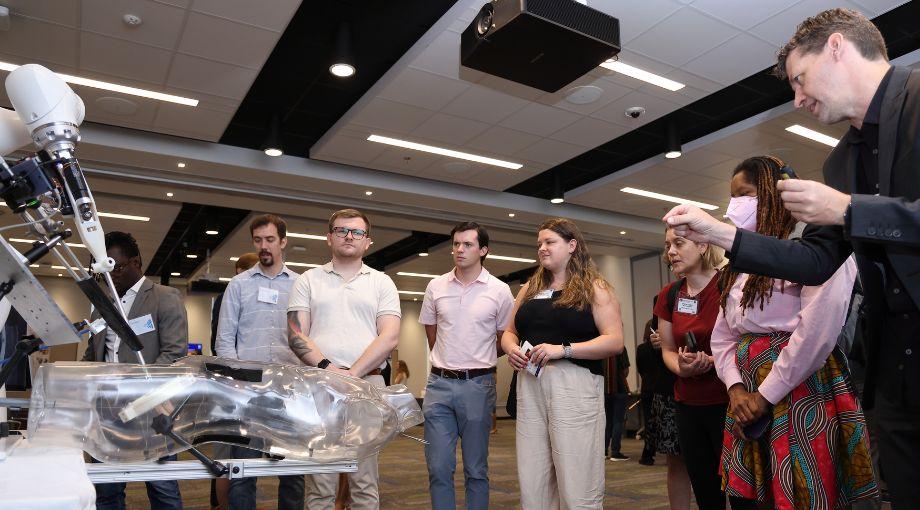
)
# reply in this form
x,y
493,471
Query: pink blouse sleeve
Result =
x,y
824,310
724,343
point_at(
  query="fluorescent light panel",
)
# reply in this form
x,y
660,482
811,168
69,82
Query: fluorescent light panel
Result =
x,y
418,275
811,134
669,198
122,216
306,236
132,91
30,241
511,259
443,152
112,215
302,264
640,74
411,292
224,279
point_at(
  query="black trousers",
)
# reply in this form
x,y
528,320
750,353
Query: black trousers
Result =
x,y
700,430
648,451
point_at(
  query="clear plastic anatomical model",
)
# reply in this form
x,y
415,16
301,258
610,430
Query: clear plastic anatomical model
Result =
x,y
131,413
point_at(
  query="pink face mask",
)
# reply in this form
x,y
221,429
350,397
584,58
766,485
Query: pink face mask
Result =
x,y
742,211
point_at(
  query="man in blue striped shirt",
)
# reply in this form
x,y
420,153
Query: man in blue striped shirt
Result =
x,y
253,327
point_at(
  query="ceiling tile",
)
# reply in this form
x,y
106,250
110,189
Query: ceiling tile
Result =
x,y
609,91
390,116
509,87
551,152
449,129
196,122
145,108
117,57
499,140
56,43
637,17
615,112
589,132
426,90
743,14
671,41
395,160
55,11
880,6
193,73
227,41
160,24
484,104
734,60
690,183
354,149
539,119
779,28
271,14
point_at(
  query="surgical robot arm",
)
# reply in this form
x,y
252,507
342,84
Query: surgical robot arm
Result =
x,y
48,114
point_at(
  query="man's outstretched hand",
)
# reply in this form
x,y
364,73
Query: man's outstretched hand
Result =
x,y
691,222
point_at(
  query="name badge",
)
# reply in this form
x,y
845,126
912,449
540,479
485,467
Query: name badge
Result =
x,y
544,294
142,324
688,306
267,295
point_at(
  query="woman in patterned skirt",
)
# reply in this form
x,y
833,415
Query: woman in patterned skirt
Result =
x,y
774,346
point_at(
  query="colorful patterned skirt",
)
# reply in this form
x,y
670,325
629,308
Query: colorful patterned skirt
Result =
x,y
815,454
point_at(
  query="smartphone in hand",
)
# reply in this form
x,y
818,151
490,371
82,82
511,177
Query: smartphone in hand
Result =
x,y
691,341
758,427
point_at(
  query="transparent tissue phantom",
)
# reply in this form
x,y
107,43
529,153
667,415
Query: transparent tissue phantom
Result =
x,y
116,412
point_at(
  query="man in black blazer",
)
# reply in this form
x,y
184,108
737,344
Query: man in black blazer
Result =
x,y
838,68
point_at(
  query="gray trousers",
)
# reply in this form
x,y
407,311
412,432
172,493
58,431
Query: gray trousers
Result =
x,y
458,409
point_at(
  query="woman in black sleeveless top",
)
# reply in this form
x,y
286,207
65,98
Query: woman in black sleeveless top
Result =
x,y
571,317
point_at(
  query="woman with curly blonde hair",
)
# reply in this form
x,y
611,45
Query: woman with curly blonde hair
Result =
x,y
569,314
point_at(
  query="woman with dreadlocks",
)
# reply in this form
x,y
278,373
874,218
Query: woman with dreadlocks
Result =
x,y
794,435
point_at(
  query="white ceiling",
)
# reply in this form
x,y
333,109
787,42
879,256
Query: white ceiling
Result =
x,y
210,50
428,97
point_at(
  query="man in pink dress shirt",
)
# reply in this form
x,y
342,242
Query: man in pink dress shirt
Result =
x,y
464,313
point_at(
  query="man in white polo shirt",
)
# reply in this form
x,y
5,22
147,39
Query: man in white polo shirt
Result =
x,y
464,313
344,317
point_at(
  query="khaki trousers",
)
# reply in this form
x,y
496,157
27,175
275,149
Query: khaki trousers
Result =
x,y
560,438
362,484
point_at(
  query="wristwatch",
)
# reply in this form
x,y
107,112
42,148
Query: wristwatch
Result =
x,y
567,351
323,363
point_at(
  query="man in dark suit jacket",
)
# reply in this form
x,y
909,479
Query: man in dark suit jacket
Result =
x,y
156,313
838,68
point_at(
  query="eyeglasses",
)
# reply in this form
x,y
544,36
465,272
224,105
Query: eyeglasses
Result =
x,y
117,268
343,232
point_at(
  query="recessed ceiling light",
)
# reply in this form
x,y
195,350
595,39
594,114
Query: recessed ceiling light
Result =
x,y
234,259
415,299
123,216
811,134
342,70
622,232
417,275
511,259
211,232
668,198
556,200
34,265
175,274
169,194
511,215
672,154
192,256
585,94
180,164
411,292
423,254
59,274
443,152
640,74
273,152
306,236
368,192
132,91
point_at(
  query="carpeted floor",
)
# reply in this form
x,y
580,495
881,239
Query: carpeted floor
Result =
x,y
404,479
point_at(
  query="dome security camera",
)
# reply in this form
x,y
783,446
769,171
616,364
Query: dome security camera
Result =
x,y
634,112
